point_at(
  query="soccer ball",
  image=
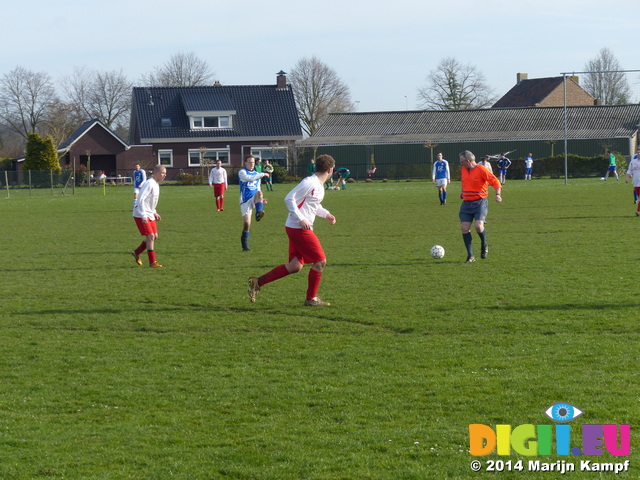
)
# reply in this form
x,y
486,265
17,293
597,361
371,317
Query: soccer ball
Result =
x,y
437,251
603,179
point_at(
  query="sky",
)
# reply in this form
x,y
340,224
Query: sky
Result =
x,y
383,50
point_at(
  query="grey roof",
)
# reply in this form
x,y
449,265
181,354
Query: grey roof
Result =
x,y
493,124
262,112
83,129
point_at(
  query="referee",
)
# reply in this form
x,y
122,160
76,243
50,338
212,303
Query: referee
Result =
x,y
474,207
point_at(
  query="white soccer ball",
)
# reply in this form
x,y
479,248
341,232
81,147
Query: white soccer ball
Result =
x,y
603,179
437,251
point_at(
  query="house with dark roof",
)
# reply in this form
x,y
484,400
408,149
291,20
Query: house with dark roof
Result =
x,y
384,140
545,92
190,127
99,148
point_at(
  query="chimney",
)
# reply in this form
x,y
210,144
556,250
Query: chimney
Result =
x,y
281,80
521,76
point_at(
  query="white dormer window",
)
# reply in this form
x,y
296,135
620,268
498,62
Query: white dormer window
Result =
x,y
221,121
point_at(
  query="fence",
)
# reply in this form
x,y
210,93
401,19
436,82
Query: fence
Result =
x,y
64,182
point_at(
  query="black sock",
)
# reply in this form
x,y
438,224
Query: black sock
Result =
x,y
467,242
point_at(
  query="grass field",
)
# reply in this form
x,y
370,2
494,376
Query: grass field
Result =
x,y
114,371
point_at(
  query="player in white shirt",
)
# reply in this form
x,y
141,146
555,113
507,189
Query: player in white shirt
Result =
x,y
634,172
218,181
250,196
304,205
145,215
528,167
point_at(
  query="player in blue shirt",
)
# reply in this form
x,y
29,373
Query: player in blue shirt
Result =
x,y
503,164
250,196
139,176
441,177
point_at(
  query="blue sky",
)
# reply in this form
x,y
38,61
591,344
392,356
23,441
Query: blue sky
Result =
x,y
383,50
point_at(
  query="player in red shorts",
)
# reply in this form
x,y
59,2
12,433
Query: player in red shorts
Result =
x,y
218,181
145,215
303,203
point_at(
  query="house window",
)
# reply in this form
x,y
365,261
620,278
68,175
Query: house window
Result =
x,y
209,157
165,122
211,122
275,154
165,157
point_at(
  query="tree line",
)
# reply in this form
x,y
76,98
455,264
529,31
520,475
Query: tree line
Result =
x,y
30,102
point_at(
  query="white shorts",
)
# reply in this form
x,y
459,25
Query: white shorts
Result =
x,y
136,190
441,182
247,207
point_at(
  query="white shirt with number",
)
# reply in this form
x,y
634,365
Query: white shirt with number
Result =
x,y
303,202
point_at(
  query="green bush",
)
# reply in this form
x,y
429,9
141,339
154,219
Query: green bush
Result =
x,y
279,174
185,179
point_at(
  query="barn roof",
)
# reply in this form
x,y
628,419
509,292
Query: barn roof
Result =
x,y
493,124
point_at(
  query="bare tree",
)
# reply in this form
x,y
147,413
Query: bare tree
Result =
x,y
318,92
604,80
25,98
62,121
102,95
454,86
182,70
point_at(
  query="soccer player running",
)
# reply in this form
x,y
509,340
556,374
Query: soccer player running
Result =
x,y
441,177
612,166
475,205
145,216
634,172
218,181
303,203
250,197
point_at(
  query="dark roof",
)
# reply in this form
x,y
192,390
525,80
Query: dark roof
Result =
x,y
492,124
261,112
83,129
529,93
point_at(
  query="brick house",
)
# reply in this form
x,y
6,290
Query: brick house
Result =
x,y
185,128
98,148
545,92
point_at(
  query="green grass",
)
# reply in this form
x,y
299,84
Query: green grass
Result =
x,y
113,371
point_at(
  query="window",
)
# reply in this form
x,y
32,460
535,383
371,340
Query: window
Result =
x,y
165,122
165,157
211,122
275,154
210,156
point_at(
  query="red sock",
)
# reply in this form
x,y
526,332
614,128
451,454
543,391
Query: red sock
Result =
x,y
273,275
141,248
221,202
314,283
152,256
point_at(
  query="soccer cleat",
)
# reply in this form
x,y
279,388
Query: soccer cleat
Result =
x,y
485,251
259,216
470,259
137,257
253,289
638,213
155,265
316,302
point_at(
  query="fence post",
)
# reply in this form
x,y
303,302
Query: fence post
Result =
x,y
51,179
6,181
29,182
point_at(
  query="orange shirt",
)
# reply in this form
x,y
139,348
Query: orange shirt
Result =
x,y
476,181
